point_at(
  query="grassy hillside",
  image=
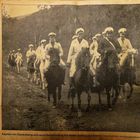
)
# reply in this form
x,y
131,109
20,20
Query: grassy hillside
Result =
x,y
63,20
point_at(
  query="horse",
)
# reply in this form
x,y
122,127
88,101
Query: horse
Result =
x,y
30,67
11,61
54,77
127,75
19,62
81,79
108,76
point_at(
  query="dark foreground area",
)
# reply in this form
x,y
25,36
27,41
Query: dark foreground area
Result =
x,y
25,107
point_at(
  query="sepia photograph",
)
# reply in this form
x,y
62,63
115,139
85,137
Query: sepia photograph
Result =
x,y
71,67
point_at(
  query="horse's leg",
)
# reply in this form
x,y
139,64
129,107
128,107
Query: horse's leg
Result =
x,y
42,80
116,95
99,95
48,94
89,100
79,103
131,91
17,68
54,97
108,99
124,92
59,93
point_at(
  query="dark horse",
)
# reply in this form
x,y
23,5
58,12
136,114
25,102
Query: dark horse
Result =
x,y
54,76
128,74
30,67
108,76
11,61
81,79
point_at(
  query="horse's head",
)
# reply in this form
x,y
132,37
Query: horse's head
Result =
x,y
84,58
54,56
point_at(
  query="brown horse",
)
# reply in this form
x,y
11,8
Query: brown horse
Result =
x,y
30,68
54,76
128,75
108,76
81,79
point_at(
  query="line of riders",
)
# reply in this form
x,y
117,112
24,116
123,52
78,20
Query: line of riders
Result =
x,y
110,63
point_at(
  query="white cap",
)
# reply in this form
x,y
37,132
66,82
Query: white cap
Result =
x,y
52,34
109,29
31,45
43,40
74,36
18,49
122,30
98,35
94,37
103,32
79,30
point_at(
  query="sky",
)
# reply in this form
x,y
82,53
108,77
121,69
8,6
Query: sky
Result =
x,y
20,10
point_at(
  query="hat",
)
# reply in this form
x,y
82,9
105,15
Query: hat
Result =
x,y
103,32
74,36
13,50
52,34
31,45
98,35
79,30
109,29
19,49
94,37
43,40
122,30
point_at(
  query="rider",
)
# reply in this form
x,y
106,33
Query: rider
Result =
x,y
125,44
40,51
18,56
30,52
94,44
95,56
126,48
109,44
56,45
75,47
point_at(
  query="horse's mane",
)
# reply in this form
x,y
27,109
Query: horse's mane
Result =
x,y
83,58
54,56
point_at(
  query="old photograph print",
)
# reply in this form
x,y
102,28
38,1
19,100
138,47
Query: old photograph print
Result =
x,y
71,67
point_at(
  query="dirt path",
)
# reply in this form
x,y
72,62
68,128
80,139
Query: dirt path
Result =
x,y
25,107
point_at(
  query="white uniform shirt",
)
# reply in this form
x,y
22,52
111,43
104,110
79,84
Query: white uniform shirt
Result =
x,y
30,53
56,46
41,52
125,44
75,48
93,47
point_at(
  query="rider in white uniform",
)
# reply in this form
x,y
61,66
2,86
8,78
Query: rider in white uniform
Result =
x,y
53,44
40,52
126,46
30,52
56,45
75,47
18,55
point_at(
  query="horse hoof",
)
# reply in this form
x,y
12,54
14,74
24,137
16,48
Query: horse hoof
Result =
x,y
79,114
54,107
120,97
128,97
124,100
110,109
87,109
